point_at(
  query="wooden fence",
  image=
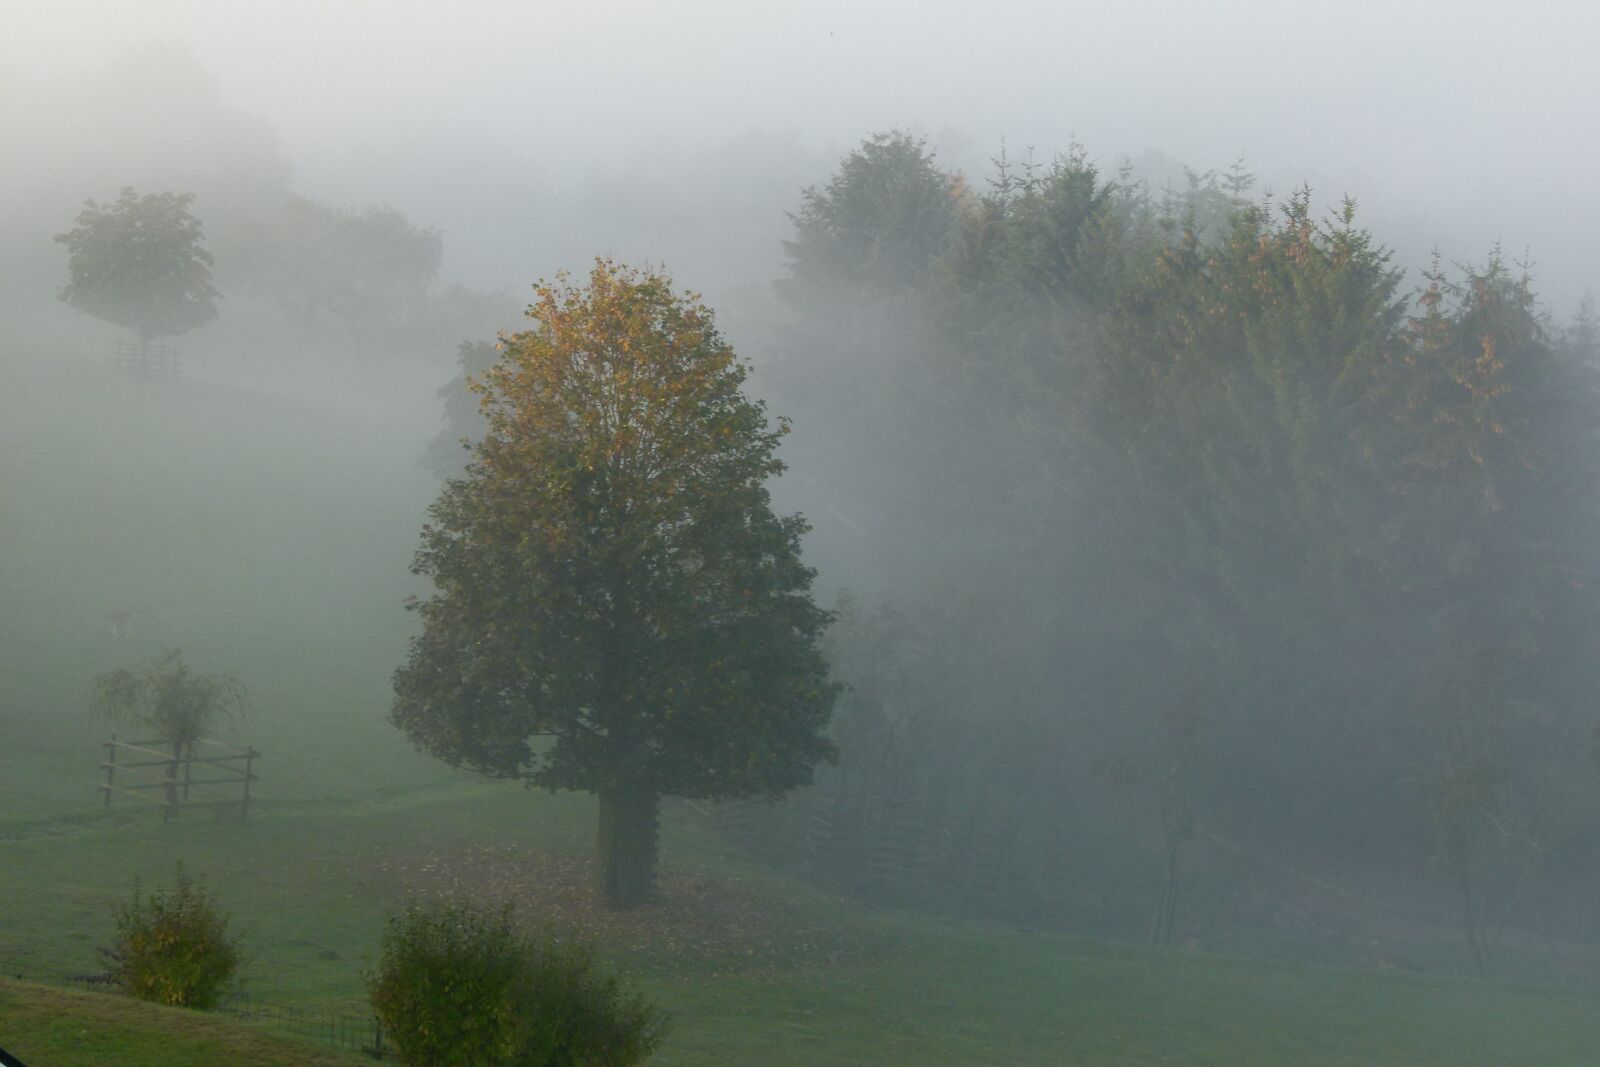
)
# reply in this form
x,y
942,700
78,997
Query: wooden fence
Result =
x,y
145,358
159,775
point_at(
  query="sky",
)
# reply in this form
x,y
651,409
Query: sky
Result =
x,y
1454,125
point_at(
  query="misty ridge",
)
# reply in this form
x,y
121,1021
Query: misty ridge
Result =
x,y
1205,573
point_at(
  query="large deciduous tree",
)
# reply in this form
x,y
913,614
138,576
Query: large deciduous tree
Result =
x,y
140,263
616,608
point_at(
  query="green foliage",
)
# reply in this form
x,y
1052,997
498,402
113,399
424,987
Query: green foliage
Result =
x,y
361,270
610,574
882,220
139,263
460,987
1466,795
173,946
167,697
1465,798
1323,476
1032,234
464,424
584,1017
1219,432
445,990
610,571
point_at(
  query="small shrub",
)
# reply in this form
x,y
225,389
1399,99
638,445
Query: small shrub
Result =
x,y
580,1017
461,987
173,946
445,990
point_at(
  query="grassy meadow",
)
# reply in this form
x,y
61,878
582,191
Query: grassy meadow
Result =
x,y
271,537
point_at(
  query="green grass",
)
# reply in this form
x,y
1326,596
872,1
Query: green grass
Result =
x,y
46,1027
310,888
272,538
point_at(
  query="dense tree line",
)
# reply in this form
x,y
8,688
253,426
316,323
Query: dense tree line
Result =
x,y
1116,453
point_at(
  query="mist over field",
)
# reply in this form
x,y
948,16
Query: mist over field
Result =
x,y
1195,417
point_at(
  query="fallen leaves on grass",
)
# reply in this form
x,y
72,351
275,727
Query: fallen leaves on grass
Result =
x,y
717,920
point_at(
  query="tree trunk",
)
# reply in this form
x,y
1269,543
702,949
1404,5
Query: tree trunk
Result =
x,y
1167,909
1469,922
628,847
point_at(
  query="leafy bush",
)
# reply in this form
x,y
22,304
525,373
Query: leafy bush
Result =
x,y
579,1017
461,987
173,947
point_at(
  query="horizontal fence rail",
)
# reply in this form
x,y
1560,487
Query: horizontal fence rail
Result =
x,y
170,773
145,358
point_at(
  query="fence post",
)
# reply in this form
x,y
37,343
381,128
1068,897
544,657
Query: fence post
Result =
x,y
188,772
111,767
172,784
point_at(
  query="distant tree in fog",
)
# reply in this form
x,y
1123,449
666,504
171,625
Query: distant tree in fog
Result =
x,y
166,697
326,265
464,422
1208,424
1170,773
617,609
139,263
1467,795
1181,753
883,219
1581,339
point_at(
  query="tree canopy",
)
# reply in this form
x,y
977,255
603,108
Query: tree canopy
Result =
x,y
1159,434
883,219
140,263
328,265
616,607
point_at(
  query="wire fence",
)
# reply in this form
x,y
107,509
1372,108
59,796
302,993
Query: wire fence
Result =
x,y
347,1030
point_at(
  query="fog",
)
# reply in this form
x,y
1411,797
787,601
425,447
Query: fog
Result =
x,y
1458,126
1196,413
